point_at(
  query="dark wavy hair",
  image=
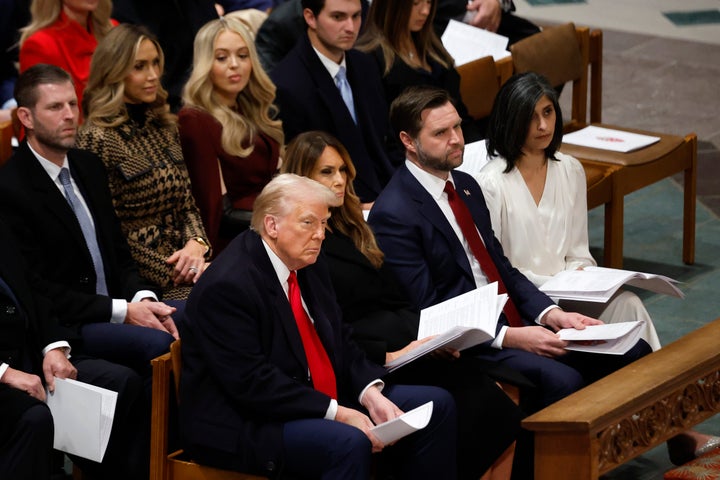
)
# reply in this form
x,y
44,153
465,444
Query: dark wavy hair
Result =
x,y
512,113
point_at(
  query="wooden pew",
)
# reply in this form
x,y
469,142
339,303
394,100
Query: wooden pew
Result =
x,y
630,411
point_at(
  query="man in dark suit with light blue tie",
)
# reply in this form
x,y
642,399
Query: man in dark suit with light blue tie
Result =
x,y
271,382
435,258
57,201
323,84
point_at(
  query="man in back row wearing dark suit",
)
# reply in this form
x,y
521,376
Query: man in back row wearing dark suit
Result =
x,y
323,84
271,381
57,202
33,350
427,222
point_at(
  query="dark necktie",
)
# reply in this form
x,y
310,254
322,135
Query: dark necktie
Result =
x,y
88,231
477,247
321,370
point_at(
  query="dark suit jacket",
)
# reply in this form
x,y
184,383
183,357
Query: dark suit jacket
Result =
x,y
244,368
281,30
309,100
425,254
382,318
25,329
53,243
402,75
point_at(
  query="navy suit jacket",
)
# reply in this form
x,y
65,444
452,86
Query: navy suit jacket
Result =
x,y
53,243
426,256
309,100
244,367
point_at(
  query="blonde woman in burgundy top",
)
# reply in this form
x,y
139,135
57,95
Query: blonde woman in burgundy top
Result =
x,y
230,141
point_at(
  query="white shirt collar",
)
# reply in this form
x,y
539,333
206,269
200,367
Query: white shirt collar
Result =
x,y
435,186
51,168
281,270
330,65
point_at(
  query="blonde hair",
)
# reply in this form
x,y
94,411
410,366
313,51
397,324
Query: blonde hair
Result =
x,y
255,101
44,13
301,156
283,192
104,97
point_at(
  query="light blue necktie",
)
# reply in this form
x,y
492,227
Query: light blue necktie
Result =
x,y
87,229
345,91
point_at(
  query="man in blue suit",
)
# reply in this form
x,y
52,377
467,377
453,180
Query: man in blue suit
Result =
x,y
433,258
271,381
312,94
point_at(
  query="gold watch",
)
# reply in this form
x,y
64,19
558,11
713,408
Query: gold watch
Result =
x,y
202,242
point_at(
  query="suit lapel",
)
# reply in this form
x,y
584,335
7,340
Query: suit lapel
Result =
x,y
428,208
325,87
318,313
48,194
281,304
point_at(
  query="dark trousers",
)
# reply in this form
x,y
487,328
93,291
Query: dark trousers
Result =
x,y
130,345
26,436
488,421
327,449
128,452
556,378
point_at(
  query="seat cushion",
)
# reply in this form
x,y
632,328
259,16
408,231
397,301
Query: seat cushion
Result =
x,y
705,467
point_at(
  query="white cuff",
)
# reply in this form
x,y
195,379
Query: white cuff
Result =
x,y
59,344
332,410
3,368
497,343
119,310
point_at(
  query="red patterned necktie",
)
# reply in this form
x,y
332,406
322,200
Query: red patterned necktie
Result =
x,y
467,226
321,370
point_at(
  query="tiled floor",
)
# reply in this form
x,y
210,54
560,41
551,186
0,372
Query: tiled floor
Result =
x,y
660,77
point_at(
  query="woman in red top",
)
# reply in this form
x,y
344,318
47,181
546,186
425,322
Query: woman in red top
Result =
x,y
65,33
230,140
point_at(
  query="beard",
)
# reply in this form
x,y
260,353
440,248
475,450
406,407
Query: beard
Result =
x,y
52,139
437,163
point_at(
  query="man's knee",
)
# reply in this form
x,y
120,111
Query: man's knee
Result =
x,y
38,422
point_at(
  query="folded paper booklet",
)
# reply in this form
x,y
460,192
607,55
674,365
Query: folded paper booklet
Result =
x,y
611,338
83,415
598,284
407,423
457,323
466,43
609,139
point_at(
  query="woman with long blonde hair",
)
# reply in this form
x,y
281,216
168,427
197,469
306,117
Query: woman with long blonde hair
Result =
x,y
130,127
230,139
65,33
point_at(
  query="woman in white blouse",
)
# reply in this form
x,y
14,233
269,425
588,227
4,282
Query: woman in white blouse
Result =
x,y
537,196
538,205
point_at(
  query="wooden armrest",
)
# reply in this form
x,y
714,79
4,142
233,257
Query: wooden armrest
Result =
x,y
630,411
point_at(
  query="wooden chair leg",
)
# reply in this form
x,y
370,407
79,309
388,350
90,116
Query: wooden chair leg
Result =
x,y
689,203
77,473
614,230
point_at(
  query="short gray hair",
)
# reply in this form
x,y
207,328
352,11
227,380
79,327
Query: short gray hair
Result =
x,y
283,192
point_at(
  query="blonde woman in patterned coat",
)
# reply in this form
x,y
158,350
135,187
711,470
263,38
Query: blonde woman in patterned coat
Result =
x,y
129,125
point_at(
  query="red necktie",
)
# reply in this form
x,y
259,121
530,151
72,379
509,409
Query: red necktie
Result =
x,y
467,226
321,370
